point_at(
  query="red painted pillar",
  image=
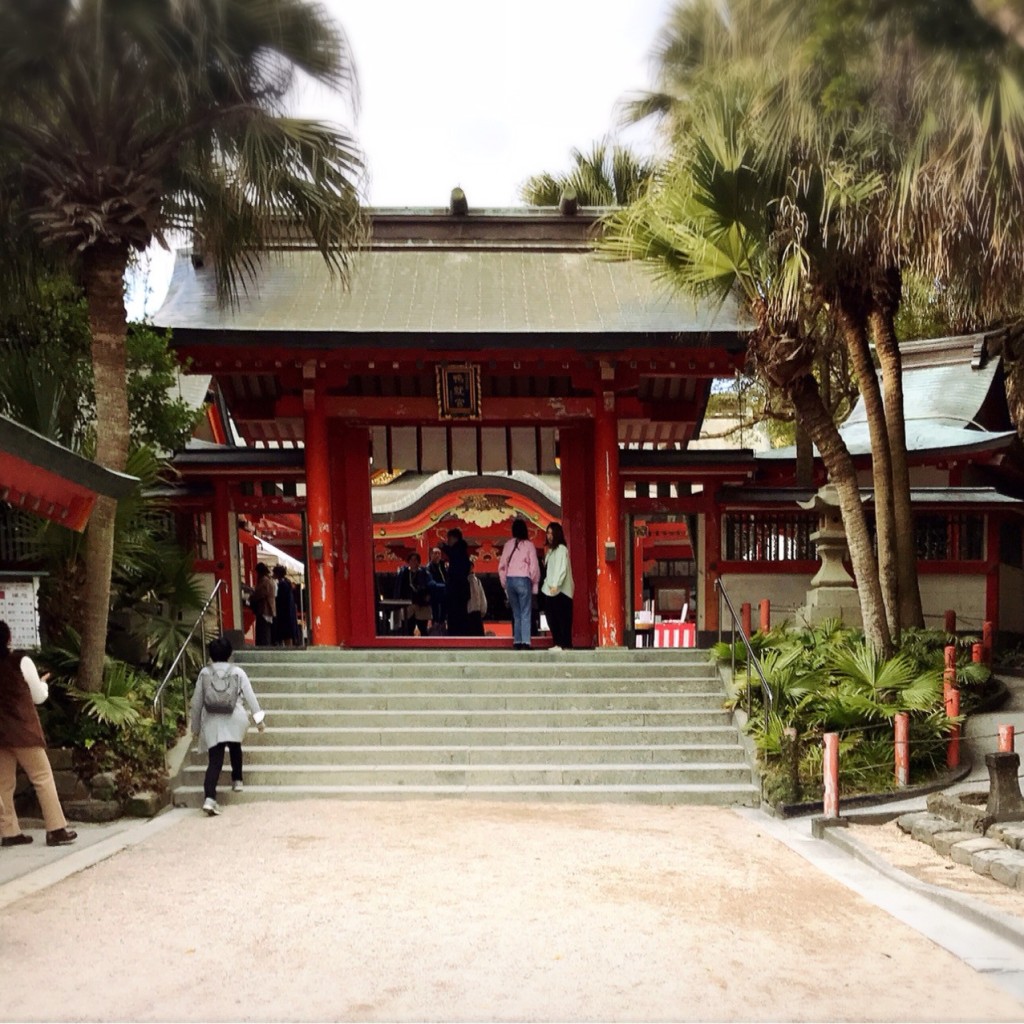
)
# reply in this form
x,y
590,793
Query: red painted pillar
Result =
x,y
222,551
953,743
951,699
576,447
830,774
986,642
902,748
765,609
1006,739
638,565
746,623
353,516
712,555
319,525
608,511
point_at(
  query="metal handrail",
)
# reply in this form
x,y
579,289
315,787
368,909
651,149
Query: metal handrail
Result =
x,y
752,659
200,624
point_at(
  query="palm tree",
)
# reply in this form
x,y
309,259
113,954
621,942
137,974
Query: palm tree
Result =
x,y
894,156
606,176
124,120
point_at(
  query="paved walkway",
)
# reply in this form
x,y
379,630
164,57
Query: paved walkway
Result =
x,y
454,910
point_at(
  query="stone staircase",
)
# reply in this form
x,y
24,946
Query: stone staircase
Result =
x,y
608,725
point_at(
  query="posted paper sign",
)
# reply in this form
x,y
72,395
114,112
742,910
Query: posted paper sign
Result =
x,y
18,610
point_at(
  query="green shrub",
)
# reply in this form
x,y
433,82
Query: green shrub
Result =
x,y
828,679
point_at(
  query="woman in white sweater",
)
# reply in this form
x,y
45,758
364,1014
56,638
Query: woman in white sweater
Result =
x,y
558,588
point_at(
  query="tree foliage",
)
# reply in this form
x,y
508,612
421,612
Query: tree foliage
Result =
x,y
126,120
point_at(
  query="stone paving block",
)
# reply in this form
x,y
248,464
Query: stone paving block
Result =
x,y
982,861
944,841
1009,869
906,822
963,852
926,828
1009,833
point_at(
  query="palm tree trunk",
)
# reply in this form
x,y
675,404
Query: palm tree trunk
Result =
x,y
884,334
104,269
819,424
853,327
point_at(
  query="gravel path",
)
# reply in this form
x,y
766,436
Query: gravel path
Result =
x,y
454,911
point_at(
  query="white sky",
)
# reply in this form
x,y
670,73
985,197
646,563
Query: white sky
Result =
x,y
482,93
479,94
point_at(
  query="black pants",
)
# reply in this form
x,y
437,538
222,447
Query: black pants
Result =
x,y
559,612
264,632
216,763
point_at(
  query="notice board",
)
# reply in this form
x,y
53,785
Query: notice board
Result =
x,y
19,609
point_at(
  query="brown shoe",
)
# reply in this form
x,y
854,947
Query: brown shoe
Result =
x,y
19,840
60,837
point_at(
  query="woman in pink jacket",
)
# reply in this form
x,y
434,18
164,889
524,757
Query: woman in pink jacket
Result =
x,y
519,572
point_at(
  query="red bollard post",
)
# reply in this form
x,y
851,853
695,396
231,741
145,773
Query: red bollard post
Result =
x,y
902,746
745,617
986,642
1006,739
766,615
953,743
830,773
949,672
949,621
976,653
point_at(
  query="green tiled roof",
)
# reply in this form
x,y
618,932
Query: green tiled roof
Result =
x,y
447,291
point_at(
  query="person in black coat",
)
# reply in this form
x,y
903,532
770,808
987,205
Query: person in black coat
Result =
x,y
286,620
457,588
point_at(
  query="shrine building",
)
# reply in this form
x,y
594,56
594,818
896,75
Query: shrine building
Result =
x,y
485,364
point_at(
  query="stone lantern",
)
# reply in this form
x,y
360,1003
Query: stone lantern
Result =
x,y
833,591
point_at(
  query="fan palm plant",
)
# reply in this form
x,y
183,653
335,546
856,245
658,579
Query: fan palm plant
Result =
x,y
609,175
125,120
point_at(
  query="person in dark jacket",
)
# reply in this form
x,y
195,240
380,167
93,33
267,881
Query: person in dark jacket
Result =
x,y
286,620
22,742
457,589
437,572
264,605
414,586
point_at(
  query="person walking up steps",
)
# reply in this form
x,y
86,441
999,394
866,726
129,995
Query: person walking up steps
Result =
x,y
220,721
22,742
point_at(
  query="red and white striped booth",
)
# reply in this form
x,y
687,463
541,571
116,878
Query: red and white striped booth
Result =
x,y
675,634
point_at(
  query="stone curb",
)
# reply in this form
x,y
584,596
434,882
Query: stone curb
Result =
x,y
76,860
968,907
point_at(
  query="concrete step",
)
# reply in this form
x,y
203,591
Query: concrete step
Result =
x,y
555,774
509,672
482,683
454,718
439,735
644,726
724,794
450,656
264,756
637,700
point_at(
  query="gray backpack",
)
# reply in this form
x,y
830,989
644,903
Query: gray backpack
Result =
x,y
222,686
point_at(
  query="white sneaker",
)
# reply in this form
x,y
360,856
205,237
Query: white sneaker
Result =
x,y
237,786
554,647
210,806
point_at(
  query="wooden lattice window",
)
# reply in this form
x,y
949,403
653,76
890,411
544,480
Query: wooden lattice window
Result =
x,y
770,536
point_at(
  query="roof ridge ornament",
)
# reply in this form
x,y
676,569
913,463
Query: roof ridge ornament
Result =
x,y
459,205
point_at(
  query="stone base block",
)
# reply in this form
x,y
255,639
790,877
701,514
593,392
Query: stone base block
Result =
x,y
145,804
963,852
1008,869
930,825
93,810
943,842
